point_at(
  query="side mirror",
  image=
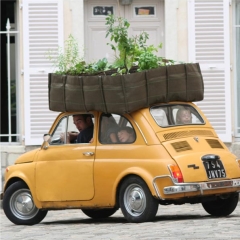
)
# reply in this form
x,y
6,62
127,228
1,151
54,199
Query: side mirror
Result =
x,y
46,137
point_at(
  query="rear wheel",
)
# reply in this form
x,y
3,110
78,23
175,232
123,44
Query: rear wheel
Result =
x,y
19,207
136,201
222,206
99,213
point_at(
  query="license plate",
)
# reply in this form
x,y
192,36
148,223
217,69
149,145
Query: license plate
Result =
x,y
214,169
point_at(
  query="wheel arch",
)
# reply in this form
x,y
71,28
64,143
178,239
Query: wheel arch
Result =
x,y
138,172
12,180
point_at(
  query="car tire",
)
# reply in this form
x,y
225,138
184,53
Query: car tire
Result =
x,y
222,206
136,201
19,207
99,213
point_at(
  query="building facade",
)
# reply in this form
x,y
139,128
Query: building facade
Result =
x,y
204,31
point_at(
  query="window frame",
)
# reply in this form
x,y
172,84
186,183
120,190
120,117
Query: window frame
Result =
x,y
172,119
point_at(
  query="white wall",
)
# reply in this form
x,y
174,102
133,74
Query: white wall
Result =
x,y
176,35
74,21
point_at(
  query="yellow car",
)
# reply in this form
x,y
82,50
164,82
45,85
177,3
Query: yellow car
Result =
x,y
165,154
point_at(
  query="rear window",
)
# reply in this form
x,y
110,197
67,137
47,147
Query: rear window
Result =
x,y
175,115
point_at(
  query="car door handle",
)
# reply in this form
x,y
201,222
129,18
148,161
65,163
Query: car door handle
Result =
x,y
88,154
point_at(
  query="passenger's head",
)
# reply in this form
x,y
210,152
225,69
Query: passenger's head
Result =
x,y
126,134
82,121
107,121
184,116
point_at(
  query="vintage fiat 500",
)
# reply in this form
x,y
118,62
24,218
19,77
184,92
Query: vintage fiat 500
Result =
x,y
170,154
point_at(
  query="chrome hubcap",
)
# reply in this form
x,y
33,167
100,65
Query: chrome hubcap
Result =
x,y
22,205
134,200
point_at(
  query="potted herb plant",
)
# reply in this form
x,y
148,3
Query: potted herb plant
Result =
x,y
136,79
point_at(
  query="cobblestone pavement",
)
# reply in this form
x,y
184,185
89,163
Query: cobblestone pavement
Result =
x,y
172,222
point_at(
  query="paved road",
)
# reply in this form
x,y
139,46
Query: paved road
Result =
x,y
172,222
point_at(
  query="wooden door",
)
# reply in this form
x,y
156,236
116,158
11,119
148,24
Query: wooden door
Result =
x,y
141,16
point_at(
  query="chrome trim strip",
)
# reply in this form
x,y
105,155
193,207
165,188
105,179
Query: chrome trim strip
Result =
x,y
145,140
194,186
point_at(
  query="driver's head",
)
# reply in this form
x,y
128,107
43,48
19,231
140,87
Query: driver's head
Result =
x,y
82,121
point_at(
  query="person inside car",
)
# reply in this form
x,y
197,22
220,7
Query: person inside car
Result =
x,y
109,129
183,116
84,124
126,135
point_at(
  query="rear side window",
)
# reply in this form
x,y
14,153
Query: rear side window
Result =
x,y
175,115
116,129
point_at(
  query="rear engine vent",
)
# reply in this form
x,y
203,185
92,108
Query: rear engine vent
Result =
x,y
191,133
214,143
181,146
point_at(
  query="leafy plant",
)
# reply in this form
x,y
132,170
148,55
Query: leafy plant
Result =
x,y
101,65
132,50
129,52
66,61
118,31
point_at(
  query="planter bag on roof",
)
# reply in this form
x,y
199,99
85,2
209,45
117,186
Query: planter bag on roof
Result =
x,y
126,93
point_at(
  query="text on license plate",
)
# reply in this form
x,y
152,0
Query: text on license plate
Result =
x,y
214,169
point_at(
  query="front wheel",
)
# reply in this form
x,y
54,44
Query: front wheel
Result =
x,y
136,201
99,213
222,206
19,207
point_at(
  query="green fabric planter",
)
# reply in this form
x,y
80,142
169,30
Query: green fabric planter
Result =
x,y
126,93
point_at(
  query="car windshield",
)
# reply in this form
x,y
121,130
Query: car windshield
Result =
x,y
175,115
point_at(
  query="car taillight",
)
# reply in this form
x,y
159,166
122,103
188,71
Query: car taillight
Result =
x,y
176,173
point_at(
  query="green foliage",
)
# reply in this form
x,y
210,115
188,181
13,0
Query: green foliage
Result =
x,y
129,52
69,62
132,50
118,32
65,61
147,60
101,65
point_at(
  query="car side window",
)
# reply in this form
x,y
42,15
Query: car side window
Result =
x,y
77,128
60,129
160,116
108,129
115,129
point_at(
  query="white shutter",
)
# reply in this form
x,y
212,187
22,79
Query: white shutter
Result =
x,y
42,31
209,45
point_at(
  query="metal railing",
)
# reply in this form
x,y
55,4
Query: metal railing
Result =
x,y
8,32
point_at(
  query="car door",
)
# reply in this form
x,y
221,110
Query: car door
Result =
x,y
113,158
64,172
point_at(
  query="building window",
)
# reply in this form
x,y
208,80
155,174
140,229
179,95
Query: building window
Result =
x,y
145,10
102,10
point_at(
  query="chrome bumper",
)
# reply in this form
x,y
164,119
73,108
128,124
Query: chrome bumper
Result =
x,y
195,186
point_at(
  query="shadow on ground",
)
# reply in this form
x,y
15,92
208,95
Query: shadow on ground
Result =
x,y
113,219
